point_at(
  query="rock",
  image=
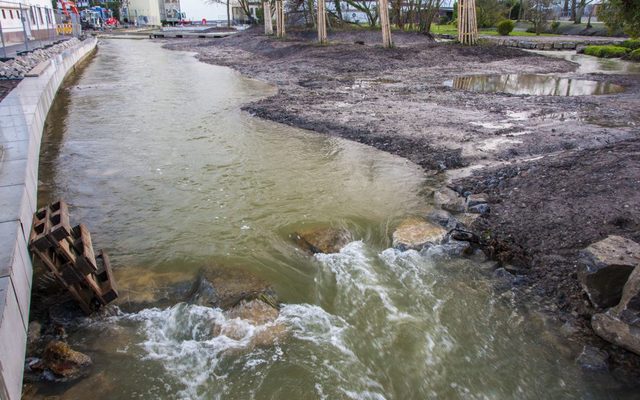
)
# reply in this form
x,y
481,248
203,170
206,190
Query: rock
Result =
x,y
593,359
225,287
440,217
609,327
606,266
503,280
141,288
621,324
449,200
66,364
477,199
629,307
259,314
416,233
322,240
479,209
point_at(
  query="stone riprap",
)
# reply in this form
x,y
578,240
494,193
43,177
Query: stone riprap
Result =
x,y
20,66
551,42
606,266
22,115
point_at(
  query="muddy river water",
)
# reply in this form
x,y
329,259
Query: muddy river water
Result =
x,y
153,153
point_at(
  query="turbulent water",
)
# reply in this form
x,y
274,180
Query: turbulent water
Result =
x,y
151,150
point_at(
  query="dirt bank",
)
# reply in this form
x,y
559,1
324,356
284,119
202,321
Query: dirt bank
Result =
x,y
561,172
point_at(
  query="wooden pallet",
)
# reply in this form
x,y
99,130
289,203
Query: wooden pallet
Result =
x,y
68,253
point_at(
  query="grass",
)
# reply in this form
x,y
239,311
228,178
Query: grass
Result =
x,y
606,51
632,44
453,30
635,55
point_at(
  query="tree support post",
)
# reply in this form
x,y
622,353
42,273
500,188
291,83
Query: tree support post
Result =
x,y
467,22
268,23
322,22
279,19
384,23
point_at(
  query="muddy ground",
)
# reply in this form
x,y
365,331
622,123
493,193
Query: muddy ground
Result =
x,y
561,172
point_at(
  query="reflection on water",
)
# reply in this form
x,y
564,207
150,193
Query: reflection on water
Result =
x,y
531,84
594,65
170,175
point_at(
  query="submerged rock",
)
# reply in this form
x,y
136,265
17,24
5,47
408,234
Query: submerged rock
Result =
x,y
252,320
225,287
322,240
141,288
416,233
593,359
65,363
607,265
440,217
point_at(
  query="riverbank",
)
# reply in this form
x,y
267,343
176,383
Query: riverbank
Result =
x,y
560,171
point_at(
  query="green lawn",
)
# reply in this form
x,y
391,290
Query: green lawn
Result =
x,y
453,30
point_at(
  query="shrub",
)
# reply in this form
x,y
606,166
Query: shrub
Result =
x,y
555,25
635,55
606,51
632,44
505,27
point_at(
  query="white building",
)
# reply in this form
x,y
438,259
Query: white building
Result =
x,y
197,10
37,16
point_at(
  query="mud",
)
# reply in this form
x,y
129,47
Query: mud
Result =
x,y
561,172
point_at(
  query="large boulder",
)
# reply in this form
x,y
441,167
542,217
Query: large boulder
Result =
x,y
257,313
621,325
225,287
65,363
322,240
141,288
606,266
611,328
416,233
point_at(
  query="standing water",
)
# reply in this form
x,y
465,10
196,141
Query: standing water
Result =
x,y
151,150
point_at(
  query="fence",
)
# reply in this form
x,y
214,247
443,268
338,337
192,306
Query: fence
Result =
x,y
25,27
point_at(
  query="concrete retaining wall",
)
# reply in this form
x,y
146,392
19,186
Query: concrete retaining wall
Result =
x,y
22,116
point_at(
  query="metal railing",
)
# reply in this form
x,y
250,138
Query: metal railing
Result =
x,y
26,27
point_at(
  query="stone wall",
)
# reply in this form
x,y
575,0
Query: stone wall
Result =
x,y
22,116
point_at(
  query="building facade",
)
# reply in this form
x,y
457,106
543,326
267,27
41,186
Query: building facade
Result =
x,y
33,18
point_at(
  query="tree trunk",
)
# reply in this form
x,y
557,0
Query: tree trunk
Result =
x,y
228,14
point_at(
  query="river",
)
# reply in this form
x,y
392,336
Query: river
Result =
x,y
154,155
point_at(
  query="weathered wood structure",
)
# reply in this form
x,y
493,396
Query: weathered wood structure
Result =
x,y
68,255
280,30
322,22
467,22
384,23
268,23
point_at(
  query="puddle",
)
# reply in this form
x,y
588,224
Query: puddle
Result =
x,y
593,65
531,84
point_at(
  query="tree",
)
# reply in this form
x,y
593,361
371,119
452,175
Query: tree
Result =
x,y
369,8
228,8
621,14
490,12
540,11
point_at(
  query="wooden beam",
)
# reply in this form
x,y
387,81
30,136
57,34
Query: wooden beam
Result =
x,y
268,22
383,11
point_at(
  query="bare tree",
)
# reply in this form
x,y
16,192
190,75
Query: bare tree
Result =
x,y
539,12
227,3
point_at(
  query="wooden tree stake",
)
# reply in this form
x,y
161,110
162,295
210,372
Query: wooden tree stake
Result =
x,y
322,22
384,23
467,22
268,23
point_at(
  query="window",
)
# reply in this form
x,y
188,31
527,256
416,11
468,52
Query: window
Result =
x,y
40,14
33,19
11,14
4,15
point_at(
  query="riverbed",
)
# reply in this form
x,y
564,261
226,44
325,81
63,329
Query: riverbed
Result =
x,y
153,153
